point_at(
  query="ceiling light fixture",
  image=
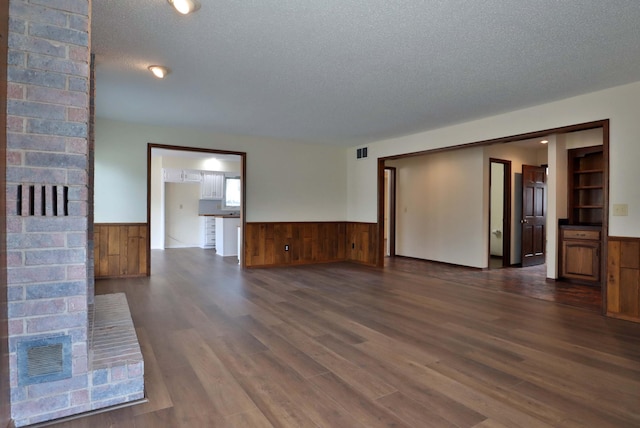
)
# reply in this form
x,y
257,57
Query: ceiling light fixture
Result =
x,y
185,7
159,71
544,141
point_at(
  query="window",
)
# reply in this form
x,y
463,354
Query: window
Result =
x,y
232,192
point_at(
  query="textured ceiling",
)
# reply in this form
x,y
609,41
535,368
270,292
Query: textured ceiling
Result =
x,y
352,71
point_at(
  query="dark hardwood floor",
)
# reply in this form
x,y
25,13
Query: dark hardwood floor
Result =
x,y
342,345
528,281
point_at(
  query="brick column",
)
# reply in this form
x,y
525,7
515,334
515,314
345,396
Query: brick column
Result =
x,y
5,410
47,120
91,150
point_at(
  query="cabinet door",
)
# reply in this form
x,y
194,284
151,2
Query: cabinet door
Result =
x,y
192,176
581,260
171,175
211,187
206,188
218,186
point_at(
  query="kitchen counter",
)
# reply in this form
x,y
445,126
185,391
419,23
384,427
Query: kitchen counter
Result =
x,y
227,235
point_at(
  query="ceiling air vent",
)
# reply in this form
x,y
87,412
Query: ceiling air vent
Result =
x,y
361,153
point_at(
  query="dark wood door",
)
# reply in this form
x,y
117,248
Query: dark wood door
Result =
x,y
534,215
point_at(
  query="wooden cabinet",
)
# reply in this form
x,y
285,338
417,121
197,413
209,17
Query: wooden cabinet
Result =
x,y
191,176
586,186
207,232
212,185
171,175
580,257
581,240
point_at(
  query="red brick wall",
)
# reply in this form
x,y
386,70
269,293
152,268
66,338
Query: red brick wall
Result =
x,y
47,126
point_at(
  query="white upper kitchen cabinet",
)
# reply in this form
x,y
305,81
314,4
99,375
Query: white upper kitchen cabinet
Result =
x,y
191,176
212,185
171,175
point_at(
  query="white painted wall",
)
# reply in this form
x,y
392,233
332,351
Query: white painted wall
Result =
x,y
157,204
206,163
588,138
557,200
286,181
619,104
440,208
181,215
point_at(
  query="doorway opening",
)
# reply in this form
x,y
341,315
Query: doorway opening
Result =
x,y
499,213
389,211
444,216
190,191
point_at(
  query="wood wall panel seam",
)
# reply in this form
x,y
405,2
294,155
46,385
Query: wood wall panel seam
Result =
x,y
623,278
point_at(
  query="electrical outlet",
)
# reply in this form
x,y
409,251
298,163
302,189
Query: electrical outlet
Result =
x,y
621,210
286,248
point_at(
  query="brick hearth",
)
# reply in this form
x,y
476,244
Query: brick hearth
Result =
x,y
117,368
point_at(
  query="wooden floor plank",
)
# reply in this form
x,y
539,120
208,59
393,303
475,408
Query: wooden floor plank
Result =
x,y
225,394
365,382
415,344
412,412
367,412
155,389
317,406
253,419
299,361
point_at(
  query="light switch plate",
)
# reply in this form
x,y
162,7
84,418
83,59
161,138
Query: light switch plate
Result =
x,y
620,210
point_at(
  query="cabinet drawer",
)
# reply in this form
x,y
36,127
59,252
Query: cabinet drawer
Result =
x,y
581,234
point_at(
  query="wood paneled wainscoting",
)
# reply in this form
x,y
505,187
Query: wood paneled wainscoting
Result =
x,y
623,278
362,242
121,250
298,243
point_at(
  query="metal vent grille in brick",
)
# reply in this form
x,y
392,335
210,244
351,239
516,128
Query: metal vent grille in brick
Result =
x,y
43,200
44,360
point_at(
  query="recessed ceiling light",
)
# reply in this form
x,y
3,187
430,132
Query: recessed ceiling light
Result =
x,y
185,7
544,141
159,71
